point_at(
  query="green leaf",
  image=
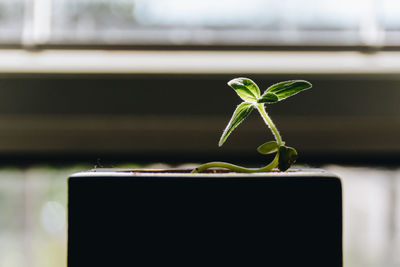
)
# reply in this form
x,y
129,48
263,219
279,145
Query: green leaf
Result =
x,y
268,147
287,156
245,88
241,113
268,98
288,88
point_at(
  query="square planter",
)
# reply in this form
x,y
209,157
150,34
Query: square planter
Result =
x,y
174,218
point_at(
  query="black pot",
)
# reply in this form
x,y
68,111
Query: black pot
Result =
x,y
174,218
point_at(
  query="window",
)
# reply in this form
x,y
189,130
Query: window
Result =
x,y
11,21
208,22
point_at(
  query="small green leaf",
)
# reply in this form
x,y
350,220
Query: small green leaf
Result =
x,y
288,88
287,156
240,113
268,147
245,88
268,98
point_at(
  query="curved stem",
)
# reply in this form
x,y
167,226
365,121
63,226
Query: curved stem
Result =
x,y
237,168
271,125
261,109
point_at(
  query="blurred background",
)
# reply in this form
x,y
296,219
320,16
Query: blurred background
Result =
x,y
130,83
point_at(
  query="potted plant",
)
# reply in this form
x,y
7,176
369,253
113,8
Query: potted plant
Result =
x,y
218,214
249,92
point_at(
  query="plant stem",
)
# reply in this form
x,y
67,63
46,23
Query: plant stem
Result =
x,y
269,122
237,168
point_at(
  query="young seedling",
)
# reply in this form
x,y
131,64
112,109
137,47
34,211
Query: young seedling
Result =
x,y
249,92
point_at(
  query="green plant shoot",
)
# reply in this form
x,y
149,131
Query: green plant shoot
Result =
x,y
249,92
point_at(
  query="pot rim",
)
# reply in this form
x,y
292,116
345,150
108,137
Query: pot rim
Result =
x,y
184,172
